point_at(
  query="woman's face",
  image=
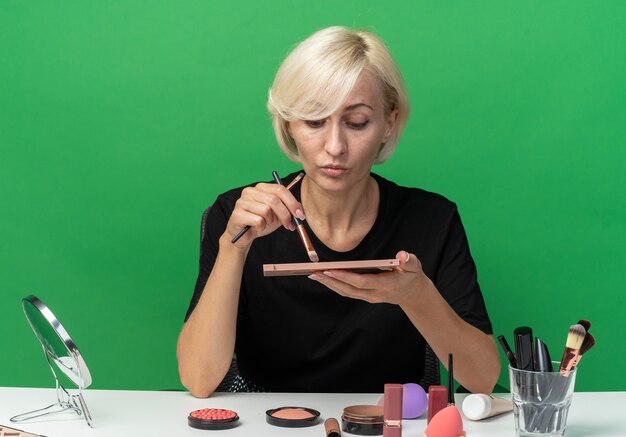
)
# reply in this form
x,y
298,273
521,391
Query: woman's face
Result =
x,y
338,152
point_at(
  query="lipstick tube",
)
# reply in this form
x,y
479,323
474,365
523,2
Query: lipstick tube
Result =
x,y
437,400
392,411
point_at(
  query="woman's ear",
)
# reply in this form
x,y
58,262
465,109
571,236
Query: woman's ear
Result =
x,y
391,124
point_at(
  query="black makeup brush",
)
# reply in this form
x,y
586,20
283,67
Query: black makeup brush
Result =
x,y
575,338
450,380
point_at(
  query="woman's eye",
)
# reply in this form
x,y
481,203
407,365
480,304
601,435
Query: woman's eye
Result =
x,y
357,126
314,123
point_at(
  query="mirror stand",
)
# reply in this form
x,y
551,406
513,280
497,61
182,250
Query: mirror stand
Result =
x,y
65,402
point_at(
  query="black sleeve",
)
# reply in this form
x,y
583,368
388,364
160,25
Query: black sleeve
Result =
x,y
456,277
209,245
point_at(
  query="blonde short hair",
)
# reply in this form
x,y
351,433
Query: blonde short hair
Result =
x,y
319,73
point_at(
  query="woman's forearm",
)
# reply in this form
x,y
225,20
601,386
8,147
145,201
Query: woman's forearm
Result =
x,y
207,340
476,359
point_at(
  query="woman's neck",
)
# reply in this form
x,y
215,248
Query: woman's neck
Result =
x,y
342,218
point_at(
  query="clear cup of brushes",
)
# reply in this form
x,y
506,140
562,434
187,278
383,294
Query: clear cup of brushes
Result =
x,y
541,401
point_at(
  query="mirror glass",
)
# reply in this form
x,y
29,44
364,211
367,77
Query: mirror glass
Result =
x,y
56,342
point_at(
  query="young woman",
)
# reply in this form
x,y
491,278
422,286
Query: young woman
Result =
x,y
339,106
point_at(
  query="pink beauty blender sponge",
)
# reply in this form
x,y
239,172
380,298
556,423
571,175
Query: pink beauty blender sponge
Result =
x,y
446,423
414,401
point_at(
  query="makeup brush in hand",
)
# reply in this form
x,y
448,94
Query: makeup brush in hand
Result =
x,y
304,237
575,338
247,228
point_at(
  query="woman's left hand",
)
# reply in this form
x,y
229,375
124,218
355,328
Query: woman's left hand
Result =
x,y
397,287
477,363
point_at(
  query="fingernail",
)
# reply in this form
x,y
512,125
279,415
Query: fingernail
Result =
x,y
300,214
329,274
408,256
315,277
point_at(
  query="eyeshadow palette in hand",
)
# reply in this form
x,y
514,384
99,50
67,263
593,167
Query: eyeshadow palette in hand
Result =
x,y
295,269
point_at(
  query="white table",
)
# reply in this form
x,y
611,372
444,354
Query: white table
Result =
x,y
121,413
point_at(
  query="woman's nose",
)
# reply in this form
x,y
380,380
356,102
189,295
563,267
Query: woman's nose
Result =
x,y
335,141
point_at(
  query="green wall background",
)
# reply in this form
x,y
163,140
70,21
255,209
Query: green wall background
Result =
x,y
120,121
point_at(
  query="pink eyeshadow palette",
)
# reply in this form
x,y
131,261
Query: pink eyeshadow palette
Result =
x,y
6,431
213,418
292,417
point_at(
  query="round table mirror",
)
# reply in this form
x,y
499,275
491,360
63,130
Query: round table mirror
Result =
x,y
62,354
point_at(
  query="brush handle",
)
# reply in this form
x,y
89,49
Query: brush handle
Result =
x,y
567,362
279,181
576,359
240,234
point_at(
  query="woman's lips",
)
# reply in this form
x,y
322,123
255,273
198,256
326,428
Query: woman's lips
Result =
x,y
334,171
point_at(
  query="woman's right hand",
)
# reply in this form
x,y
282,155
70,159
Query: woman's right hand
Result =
x,y
264,207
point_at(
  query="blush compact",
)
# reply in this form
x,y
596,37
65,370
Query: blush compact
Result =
x,y
292,417
213,418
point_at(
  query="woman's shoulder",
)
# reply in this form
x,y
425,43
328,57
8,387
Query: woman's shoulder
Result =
x,y
225,202
230,197
414,197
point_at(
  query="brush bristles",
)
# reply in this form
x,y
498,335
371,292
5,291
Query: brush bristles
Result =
x,y
588,343
313,256
585,323
575,336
